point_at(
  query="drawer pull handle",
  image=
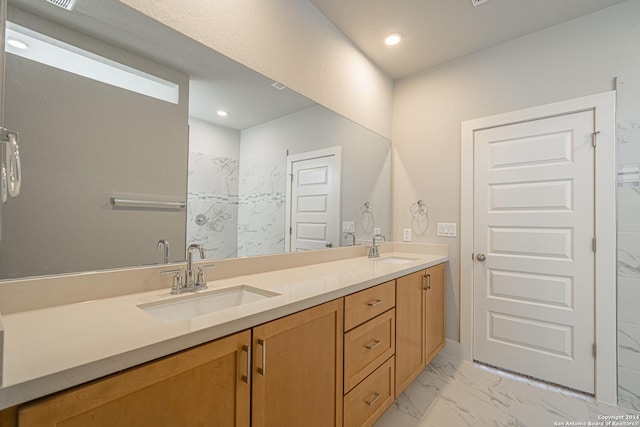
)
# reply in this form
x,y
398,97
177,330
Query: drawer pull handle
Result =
x,y
263,369
374,345
247,378
374,303
371,402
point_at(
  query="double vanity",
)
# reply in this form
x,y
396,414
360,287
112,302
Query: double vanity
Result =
x,y
331,342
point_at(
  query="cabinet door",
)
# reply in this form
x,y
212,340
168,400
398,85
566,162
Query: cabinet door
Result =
x,y
194,387
435,329
297,373
410,329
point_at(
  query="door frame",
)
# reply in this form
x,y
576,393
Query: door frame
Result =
x,y
603,106
308,155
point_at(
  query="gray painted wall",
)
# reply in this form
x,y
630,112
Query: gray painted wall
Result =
x,y
570,60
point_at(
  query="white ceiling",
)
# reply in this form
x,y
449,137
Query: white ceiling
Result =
x,y
436,31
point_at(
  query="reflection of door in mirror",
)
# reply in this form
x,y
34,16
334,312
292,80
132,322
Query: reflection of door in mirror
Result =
x,y
84,141
313,200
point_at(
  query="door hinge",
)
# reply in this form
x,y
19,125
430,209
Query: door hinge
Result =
x,y
594,350
472,256
593,245
291,177
290,230
594,136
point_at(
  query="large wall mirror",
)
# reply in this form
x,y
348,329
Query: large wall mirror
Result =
x,y
131,133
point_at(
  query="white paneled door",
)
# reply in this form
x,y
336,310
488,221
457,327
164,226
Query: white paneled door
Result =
x,y
533,245
313,213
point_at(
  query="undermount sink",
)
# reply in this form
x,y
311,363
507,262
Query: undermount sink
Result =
x,y
190,306
395,260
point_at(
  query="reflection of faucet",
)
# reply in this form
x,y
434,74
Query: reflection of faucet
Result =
x,y
353,237
163,245
374,251
189,274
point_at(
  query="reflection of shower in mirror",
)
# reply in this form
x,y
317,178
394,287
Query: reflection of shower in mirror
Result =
x,y
230,171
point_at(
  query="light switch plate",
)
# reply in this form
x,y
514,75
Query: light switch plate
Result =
x,y
348,226
447,229
406,234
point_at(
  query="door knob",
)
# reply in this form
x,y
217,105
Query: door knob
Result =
x,y
481,257
329,245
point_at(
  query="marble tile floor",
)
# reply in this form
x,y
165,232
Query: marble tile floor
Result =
x,y
455,393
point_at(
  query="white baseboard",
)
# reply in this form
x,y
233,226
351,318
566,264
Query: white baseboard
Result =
x,y
454,349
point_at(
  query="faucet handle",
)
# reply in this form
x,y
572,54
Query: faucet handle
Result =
x,y
201,282
177,280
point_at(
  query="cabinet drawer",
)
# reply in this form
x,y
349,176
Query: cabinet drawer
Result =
x,y
367,346
367,304
367,402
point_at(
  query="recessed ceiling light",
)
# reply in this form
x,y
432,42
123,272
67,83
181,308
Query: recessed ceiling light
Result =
x,y
278,86
392,39
18,44
222,113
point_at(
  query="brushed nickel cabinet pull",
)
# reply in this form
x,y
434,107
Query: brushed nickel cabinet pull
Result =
x,y
426,282
263,345
247,378
374,303
374,345
371,402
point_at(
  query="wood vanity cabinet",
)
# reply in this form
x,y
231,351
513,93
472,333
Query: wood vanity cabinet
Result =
x,y
205,385
297,369
435,303
420,328
369,346
358,353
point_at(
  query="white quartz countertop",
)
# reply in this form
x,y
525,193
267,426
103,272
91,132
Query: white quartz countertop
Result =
x,y
52,349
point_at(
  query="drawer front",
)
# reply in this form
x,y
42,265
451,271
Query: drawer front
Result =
x,y
367,304
371,398
367,346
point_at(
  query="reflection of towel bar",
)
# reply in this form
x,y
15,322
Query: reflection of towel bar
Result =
x,y
157,204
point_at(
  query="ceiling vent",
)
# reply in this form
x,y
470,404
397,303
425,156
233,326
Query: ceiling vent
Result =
x,y
475,3
278,86
65,4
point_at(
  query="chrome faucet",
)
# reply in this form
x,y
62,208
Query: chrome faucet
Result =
x,y
353,237
163,245
374,251
189,285
189,275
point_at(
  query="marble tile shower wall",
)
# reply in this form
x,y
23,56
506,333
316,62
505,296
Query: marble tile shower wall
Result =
x,y
628,194
212,204
262,205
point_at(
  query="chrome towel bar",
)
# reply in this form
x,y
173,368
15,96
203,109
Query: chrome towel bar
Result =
x,y
154,204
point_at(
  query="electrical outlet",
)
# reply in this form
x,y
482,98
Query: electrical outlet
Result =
x,y
406,234
377,230
447,229
348,226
